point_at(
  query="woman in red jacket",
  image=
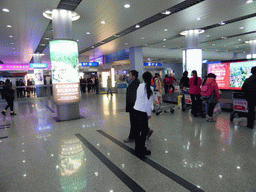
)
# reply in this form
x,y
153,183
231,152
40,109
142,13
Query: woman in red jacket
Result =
x,y
166,83
195,93
210,88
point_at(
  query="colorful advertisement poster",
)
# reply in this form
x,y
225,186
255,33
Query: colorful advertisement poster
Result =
x,y
65,72
239,71
231,75
221,70
39,76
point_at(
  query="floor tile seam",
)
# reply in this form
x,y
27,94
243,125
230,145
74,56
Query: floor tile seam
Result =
x,y
179,180
113,168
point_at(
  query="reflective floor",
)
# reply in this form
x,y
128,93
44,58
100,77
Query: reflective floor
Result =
x,y
188,154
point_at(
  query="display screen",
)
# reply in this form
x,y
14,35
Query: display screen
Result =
x,y
65,74
231,75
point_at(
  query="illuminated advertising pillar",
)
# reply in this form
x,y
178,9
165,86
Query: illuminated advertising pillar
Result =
x,y
64,61
252,44
192,56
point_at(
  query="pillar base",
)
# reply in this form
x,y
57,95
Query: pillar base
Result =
x,y
68,112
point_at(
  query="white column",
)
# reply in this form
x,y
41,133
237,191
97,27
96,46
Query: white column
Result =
x,y
252,45
136,60
192,56
64,60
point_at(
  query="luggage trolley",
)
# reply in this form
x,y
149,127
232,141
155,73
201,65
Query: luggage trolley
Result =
x,y
158,108
240,105
187,100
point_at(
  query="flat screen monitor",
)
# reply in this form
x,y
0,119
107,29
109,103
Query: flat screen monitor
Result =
x,y
231,75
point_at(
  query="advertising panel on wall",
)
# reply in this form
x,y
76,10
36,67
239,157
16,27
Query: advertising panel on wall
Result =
x,y
65,72
231,75
39,76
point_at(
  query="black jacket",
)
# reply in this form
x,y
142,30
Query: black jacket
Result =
x,y
131,94
8,92
184,82
249,88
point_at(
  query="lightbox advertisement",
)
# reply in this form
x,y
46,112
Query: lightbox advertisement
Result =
x,y
231,75
65,72
39,76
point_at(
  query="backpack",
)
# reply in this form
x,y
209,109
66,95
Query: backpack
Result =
x,y
203,90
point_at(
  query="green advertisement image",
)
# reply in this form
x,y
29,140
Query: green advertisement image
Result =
x,y
64,60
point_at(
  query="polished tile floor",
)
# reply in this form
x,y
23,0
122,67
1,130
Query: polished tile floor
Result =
x,y
188,154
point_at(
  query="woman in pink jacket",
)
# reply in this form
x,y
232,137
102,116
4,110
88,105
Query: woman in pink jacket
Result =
x,y
195,93
210,88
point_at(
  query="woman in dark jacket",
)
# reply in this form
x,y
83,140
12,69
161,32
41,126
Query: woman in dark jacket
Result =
x,y
8,96
184,80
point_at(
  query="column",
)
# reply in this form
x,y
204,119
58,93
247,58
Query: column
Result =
x,y
192,56
252,45
64,60
39,76
136,60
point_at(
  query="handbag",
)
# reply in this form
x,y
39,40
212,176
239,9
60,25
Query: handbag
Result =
x,y
212,98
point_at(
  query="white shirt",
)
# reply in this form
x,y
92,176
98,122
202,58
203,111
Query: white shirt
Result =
x,y
142,102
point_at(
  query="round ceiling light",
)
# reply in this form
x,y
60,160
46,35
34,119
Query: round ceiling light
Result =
x,y
9,26
127,6
88,33
103,22
73,15
166,12
199,31
5,10
137,26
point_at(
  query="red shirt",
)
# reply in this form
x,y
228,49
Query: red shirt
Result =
x,y
195,89
166,80
171,79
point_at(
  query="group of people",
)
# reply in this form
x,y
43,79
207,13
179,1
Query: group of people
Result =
x,y
92,84
169,80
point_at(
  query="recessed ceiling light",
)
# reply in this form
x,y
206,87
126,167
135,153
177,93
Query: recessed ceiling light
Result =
x,y
198,19
5,10
239,40
11,36
8,26
207,35
166,12
249,1
222,23
164,39
77,40
213,44
116,35
47,38
142,37
103,22
241,28
137,26
164,46
102,42
127,6
224,37
42,44
126,43
165,29
88,33
92,46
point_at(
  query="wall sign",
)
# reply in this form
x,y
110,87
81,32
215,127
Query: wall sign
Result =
x,y
153,64
37,65
89,64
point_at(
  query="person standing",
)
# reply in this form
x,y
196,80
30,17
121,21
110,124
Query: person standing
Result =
x,y
109,85
166,83
195,93
172,79
210,91
249,89
130,101
142,113
184,82
9,97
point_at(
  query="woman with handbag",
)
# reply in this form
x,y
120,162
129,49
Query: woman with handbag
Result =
x,y
210,94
